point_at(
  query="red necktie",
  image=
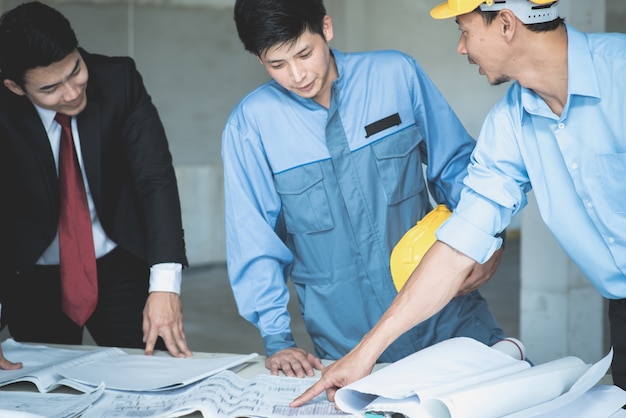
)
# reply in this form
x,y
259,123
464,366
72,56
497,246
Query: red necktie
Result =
x,y
79,284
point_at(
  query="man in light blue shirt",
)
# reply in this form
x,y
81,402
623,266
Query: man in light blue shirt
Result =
x,y
323,170
560,129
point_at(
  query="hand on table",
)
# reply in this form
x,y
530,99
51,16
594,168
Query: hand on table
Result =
x,y
163,317
294,362
6,364
339,374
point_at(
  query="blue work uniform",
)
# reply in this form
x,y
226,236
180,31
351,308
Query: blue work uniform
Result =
x,y
320,196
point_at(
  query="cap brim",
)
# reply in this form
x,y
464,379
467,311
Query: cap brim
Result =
x,y
443,11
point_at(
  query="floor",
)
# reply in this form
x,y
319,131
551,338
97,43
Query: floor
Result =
x,y
212,323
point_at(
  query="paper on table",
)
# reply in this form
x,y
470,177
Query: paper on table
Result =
x,y
223,395
15,404
439,369
493,398
598,402
619,414
587,381
38,363
543,391
138,372
510,393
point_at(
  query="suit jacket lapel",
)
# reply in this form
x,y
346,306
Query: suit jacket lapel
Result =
x,y
36,135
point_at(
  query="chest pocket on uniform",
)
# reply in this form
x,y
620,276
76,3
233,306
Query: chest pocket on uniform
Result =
x,y
304,199
400,164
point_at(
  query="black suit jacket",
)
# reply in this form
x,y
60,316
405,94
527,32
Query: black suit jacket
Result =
x,y
127,162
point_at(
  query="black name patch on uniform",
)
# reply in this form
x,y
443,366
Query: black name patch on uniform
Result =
x,y
381,125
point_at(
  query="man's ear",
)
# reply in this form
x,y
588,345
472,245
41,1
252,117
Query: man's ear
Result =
x,y
327,27
508,22
14,87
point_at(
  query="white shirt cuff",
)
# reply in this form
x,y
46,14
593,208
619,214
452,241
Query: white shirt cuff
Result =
x,y
166,277
468,239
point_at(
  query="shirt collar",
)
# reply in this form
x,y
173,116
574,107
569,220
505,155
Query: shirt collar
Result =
x,y
340,62
46,116
582,79
581,73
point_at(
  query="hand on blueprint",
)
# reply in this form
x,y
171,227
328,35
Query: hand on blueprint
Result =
x,y
6,364
481,273
294,362
344,371
163,317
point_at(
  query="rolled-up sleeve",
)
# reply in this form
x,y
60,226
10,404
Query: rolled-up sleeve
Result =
x,y
495,188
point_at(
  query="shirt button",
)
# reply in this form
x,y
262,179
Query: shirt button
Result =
x,y
611,240
589,205
574,166
561,125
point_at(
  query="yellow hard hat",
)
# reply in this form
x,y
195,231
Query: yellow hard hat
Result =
x,y
411,248
525,10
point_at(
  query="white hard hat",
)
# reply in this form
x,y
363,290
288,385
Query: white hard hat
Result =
x,y
528,11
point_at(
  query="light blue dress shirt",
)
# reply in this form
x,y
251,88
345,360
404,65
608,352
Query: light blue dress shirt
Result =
x,y
575,164
327,214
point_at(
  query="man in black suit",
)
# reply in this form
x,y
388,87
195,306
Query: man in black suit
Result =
x,y
129,183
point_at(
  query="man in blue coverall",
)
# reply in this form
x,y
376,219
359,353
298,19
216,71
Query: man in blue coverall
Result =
x,y
323,175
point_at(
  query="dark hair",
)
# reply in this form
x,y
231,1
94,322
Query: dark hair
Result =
x,y
33,35
261,24
489,16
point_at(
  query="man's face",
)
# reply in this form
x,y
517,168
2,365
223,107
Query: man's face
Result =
x,y
60,86
303,67
483,46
